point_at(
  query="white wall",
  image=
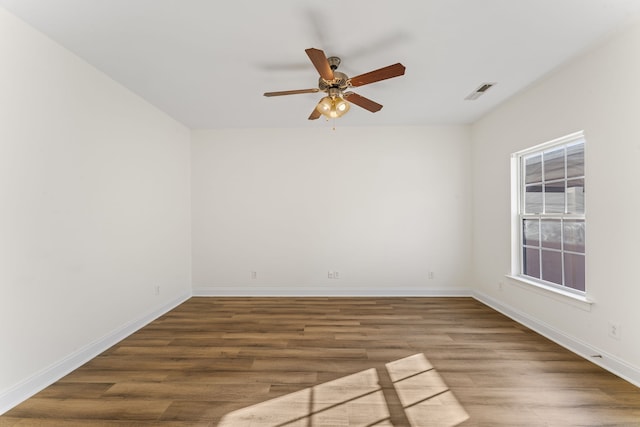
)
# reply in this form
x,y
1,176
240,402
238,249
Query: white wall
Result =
x,y
95,200
382,206
598,92
94,210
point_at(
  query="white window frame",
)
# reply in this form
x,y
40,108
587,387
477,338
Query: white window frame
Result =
x,y
518,215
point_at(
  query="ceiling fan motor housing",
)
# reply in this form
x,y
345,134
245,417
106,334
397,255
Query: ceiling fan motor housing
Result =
x,y
340,81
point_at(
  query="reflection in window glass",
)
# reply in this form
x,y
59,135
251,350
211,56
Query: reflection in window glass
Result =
x,y
533,169
575,196
533,199
575,160
573,235
531,262
551,233
552,266
574,271
554,197
554,164
531,232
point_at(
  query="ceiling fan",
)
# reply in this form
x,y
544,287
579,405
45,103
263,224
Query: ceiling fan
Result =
x,y
334,84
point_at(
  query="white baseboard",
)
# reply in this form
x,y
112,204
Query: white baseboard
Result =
x,y
40,380
607,361
328,291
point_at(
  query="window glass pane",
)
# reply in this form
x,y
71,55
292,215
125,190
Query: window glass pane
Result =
x,y
551,233
533,169
531,262
554,197
533,199
552,266
531,232
551,209
573,231
574,271
554,164
575,196
575,160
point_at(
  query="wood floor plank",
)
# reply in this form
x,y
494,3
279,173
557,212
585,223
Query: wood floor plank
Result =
x,y
334,362
87,408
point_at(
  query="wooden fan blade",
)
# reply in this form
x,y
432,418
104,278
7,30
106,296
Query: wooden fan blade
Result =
x,y
291,92
315,114
319,60
363,102
394,70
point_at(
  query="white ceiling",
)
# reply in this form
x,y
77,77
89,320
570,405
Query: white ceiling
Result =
x,y
208,62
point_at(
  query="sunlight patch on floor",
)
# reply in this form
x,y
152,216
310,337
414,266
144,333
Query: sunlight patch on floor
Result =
x,y
425,397
359,400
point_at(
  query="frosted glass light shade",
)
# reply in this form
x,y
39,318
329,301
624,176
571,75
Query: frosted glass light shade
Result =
x,y
333,108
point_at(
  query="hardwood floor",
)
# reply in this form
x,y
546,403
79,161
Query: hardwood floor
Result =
x,y
283,362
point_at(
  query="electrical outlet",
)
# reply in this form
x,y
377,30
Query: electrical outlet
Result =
x,y
254,275
614,330
431,275
500,286
330,274
336,275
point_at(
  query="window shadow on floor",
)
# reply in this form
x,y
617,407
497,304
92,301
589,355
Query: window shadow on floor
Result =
x,y
408,392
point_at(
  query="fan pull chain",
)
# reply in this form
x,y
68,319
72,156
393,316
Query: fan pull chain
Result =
x,y
333,127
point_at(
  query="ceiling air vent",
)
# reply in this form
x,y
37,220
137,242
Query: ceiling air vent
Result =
x,y
481,90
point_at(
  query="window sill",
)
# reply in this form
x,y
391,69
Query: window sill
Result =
x,y
579,301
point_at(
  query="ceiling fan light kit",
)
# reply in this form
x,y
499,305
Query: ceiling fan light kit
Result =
x,y
334,83
333,105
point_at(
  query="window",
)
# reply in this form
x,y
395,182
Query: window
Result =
x,y
551,213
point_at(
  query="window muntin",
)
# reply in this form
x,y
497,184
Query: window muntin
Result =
x,y
552,214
